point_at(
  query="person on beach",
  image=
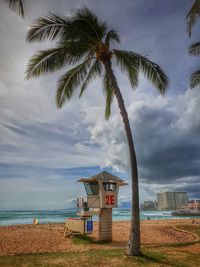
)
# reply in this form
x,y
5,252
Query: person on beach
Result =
x,y
35,221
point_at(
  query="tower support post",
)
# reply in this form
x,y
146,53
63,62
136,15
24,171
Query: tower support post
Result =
x,y
105,225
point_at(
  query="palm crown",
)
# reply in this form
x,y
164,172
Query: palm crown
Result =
x,y
194,49
84,43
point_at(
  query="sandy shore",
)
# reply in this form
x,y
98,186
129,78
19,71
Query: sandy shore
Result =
x,y
23,239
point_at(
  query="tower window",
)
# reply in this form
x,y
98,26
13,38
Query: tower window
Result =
x,y
109,186
91,188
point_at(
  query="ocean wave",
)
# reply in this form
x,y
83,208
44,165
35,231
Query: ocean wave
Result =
x,y
47,216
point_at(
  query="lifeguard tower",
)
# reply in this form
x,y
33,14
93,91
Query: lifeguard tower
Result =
x,y
102,195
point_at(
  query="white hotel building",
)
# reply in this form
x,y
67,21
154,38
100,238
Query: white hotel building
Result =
x,y
171,200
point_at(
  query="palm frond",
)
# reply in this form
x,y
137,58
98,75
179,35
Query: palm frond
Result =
x,y
82,26
127,64
70,81
109,93
84,19
45,61
154,74
47,27
192,16
194,49
76,50
150,69
50,60
17,6
112,36
95,71
195,79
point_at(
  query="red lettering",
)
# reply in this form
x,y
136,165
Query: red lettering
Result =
x,y
107,200
110,200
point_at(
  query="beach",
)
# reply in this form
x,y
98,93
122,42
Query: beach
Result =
x,y
42,238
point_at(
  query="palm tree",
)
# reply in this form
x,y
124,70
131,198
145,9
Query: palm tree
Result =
x,y
17,6
85,41
194,49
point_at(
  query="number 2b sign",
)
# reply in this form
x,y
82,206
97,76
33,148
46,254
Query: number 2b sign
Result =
x,y
110,200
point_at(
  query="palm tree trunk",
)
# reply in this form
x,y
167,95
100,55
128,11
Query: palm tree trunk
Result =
x,y
133,248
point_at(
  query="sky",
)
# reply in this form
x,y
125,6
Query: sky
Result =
x,y
43,150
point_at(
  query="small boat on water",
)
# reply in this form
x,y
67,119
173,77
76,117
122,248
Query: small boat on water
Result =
x,y
186,212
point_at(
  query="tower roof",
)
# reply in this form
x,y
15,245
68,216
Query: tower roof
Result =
x,y
103,176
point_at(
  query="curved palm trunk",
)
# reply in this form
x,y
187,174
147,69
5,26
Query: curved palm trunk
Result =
x,y
133,247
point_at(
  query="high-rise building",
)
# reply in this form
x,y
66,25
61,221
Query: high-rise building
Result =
x,y
171,200
148,205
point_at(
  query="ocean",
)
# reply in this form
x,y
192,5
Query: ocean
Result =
x,y
12,217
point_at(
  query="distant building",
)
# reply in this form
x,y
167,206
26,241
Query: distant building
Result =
x,y
171,200
148,205
194,204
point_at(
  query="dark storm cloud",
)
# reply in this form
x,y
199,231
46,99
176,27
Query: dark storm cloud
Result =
x,y
166,150
168,145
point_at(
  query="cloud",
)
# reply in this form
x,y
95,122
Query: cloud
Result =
x,y
166,135
27,187
38,142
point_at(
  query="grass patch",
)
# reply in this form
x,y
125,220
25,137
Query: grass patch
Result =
x,y
159,256
81,239
175,245
174,255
